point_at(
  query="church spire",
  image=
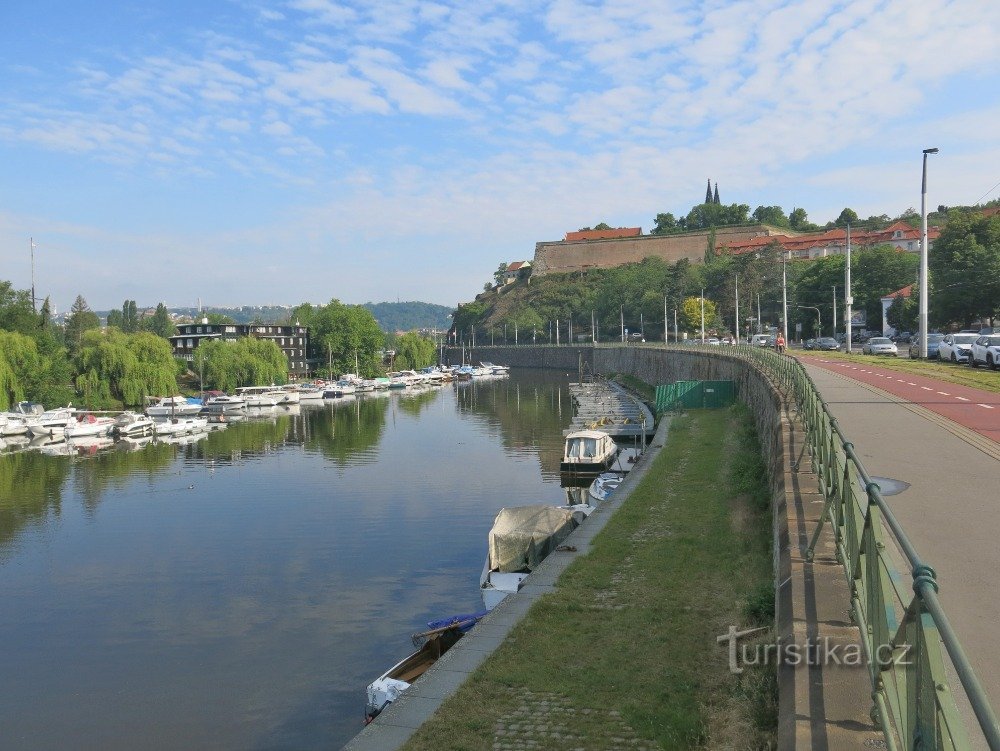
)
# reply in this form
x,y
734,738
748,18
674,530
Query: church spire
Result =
x,y
716,199
708,191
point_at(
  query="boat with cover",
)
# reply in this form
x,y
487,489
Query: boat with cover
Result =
x,y
521,538
588,451
441,637
260,396
174,406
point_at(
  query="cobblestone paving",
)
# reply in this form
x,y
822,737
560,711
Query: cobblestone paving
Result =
x,y
550,721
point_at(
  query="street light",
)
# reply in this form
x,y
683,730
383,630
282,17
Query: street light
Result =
x,y
922,321
819,317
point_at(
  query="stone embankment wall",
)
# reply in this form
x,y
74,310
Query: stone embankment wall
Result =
x,y
560,257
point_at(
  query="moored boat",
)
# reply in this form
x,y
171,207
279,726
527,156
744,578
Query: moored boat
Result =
x,y
132,425
604,485
588,451
443,635
179,426
260,396
52,422
174,406
521,538
224,403
88,425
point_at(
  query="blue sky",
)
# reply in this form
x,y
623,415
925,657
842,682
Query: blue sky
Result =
x,y
266,153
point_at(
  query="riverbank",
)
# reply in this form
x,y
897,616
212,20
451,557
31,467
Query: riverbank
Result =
x,y
622,651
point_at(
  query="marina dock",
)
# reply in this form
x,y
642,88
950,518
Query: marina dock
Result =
x,y
608,407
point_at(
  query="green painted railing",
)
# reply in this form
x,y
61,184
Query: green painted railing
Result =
x,y
901,628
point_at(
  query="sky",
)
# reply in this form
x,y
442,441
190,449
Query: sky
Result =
x,y
245,153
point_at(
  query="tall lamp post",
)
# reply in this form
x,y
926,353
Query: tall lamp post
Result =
x,y
819,316
848,300
922,324
784,297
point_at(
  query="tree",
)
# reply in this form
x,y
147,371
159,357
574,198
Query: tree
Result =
x,y
127,367
248,361
81,319
344,337
499,274
903,313
19,360
664,224
221,319
773,215
965,270
689,314
414,351
159,323
716,215
602,226
16,310
847,216
799,220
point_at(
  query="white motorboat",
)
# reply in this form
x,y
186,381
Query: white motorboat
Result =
x,y
88,426
173,406
132,425
179,426
12,424
224,403
309,392
261,396
604,485
520,539
52,422
290,395
340,388
588,451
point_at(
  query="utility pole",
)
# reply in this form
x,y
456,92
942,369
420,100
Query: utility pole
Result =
x,y
848,300
737,308
923,258
835,311
676,335
665,326
593,331
622,311
31,243
702,315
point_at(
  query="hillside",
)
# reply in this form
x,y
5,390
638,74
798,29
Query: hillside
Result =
x,y
407,316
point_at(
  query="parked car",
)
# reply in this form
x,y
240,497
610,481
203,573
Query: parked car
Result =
x,y
880,345
933,341
902,337
956,347
986,351
827,343
809,344
762,340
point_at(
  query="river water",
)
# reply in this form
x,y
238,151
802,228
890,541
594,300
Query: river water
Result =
x,y
240,591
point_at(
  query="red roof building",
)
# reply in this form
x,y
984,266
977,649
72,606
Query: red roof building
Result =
x,y
833,242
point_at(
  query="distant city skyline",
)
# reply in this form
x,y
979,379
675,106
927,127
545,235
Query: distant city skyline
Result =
x,y
310,149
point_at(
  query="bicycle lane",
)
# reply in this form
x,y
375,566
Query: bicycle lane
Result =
x,y
969,407
948,501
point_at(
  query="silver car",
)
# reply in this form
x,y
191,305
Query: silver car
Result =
x,y
880,345
986,351
956,347
933,342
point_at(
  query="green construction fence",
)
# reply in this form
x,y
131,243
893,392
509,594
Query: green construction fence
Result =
x,y
695,395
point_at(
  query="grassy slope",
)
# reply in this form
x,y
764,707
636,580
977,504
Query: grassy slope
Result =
x,y
630,631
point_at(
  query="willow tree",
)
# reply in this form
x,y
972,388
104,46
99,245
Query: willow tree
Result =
x,y
345,337
227,365
414,351
127,367
18,361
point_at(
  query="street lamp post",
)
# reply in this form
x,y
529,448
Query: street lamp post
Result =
x,y
784,297
834,311
737,308
703,315
819,316
923,257
848,300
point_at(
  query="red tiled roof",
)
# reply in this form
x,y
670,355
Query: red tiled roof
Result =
x,y
517,265
904,292
603,234
833,237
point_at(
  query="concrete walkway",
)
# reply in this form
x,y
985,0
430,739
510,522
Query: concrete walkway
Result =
x,y
951,509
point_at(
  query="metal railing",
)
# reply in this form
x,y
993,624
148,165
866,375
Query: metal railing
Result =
x,y
901,628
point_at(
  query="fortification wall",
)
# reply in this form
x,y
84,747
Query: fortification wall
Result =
x,y
561,257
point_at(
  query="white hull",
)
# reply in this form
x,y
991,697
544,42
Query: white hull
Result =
x,y
100,427
179,426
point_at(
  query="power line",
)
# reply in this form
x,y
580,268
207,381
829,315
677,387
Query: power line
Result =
x,y
987,193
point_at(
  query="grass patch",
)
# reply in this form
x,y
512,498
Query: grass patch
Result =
x,y
623,654
963,375
645,391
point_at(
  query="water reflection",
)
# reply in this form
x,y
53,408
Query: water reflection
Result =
x,y
240,588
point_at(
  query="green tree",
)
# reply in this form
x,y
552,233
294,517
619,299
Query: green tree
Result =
x,y
16,310
115,319
81,319
247,361
498,275
159,323
847,216
716,215
903,313
345,337
664,224
414,351
690,315
219,319
127,367
773,215
18,361
965,270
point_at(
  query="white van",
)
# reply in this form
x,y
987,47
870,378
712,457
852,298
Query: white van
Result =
x,y
762,340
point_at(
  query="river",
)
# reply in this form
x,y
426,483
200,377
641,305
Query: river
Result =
x,y
240,591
